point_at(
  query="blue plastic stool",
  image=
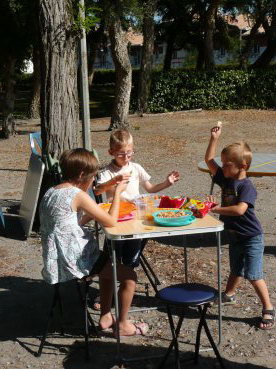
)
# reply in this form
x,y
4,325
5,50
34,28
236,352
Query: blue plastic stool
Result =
x,y
185,295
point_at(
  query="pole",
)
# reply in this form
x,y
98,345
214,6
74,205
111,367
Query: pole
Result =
x,y
85,113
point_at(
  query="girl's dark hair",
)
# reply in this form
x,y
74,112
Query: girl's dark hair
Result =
x,y
79,165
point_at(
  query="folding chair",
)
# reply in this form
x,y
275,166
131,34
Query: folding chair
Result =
x,y
35,141
183,296
151,275
88,321
2,220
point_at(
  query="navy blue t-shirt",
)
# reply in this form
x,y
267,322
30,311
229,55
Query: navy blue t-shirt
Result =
x,y
233,192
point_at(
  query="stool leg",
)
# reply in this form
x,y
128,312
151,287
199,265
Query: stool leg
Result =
x,y
174,342
202,313
60,310
86,330
90,320
56,297
83,301
210,338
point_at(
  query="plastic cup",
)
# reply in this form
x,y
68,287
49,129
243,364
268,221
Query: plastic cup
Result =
x,y
145,209
141,206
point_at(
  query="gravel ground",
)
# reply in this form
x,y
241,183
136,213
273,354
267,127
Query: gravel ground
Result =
x,y
162,143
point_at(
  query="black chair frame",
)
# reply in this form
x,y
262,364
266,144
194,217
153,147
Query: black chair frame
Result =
x,y
152,277
175,330
89,324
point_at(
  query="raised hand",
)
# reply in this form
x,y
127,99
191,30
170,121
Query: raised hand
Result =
x,y
216,131
173,177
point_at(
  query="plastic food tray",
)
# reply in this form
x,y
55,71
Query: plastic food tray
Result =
x,y
173,222
126,217
125,208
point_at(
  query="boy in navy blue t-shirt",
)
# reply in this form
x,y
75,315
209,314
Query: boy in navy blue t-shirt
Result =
x,y
246,244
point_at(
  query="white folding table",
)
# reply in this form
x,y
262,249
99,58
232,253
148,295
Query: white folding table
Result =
x,y
137,228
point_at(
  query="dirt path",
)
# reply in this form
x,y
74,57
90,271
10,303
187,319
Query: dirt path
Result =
x,y
162,143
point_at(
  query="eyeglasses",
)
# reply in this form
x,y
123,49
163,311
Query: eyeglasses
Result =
x,y
123,154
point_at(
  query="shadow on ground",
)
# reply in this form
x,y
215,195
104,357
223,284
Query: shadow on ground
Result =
x,y
270,250
103,357
12,227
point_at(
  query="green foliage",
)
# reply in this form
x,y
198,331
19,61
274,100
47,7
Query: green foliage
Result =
x,y
90,19
224,89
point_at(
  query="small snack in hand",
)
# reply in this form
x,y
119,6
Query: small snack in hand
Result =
x,y
219,124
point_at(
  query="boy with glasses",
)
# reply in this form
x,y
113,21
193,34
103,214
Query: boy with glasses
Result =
x,y
122,168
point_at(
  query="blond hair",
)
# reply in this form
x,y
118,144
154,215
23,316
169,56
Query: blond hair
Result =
x,y
239,153
120,138
78,165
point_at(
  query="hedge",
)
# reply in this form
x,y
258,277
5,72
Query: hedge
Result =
x,y
223,89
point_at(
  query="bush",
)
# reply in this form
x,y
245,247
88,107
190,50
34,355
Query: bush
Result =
x,y
222,89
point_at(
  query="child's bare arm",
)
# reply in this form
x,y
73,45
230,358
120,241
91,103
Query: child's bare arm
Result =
x,y
211,149
106,186
233,210
170,180
83,202
85,219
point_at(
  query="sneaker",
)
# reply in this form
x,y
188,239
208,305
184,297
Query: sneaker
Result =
x,y
226,300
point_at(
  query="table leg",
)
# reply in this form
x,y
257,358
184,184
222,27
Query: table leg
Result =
x,y
114,270
218,235
186,264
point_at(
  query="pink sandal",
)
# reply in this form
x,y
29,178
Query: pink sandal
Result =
x,y
140,330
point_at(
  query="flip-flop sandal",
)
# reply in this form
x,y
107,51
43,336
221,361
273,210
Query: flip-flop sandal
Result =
x,y
270,322
140,330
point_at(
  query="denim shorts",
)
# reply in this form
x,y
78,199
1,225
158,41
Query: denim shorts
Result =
x,y
246,256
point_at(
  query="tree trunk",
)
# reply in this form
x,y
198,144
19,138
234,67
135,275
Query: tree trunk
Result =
x,y
34,109
248,45
200,55
270,51
8,126
169,50
91,61
147,56
123,73
208,35
9,83
59,96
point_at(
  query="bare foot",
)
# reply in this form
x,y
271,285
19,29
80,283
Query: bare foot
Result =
x,y
106,321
